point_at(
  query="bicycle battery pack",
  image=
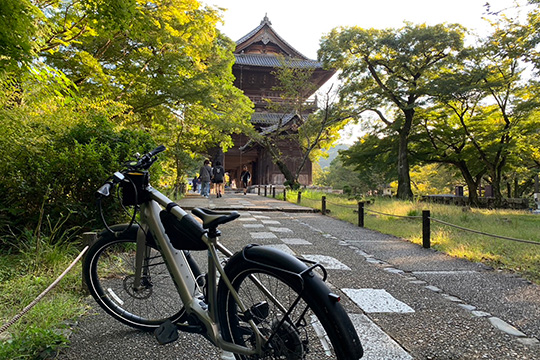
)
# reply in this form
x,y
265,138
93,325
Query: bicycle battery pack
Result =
x,y
185,233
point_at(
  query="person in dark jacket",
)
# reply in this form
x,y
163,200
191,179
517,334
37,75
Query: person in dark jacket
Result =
x,y
245,178
218,173
205,173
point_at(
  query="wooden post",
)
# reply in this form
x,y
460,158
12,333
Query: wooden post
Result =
x,y
88,239
323,205
299,199
426,229
361,214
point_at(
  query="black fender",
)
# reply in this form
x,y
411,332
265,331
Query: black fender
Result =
x,y
302,275
273,260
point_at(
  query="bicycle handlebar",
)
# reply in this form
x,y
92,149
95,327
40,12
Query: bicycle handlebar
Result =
x,y
143,163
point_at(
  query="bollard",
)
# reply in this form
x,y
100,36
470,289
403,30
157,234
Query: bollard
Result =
x,y
299,199
88,239
284,194
265,194
361,214
426,241
323,205
273,192
259,190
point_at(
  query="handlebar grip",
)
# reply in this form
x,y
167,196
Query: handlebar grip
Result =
x,y
157,150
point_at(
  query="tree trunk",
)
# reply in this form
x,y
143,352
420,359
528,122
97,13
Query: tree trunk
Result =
x,y
472,184
286,172
404,190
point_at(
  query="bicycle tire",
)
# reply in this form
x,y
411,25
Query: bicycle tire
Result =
x,y
108,271
317,328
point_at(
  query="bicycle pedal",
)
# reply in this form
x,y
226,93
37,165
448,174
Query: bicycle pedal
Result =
x,y
166,333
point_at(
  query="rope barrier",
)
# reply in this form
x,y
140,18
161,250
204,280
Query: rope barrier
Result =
x,y
40,296
444,223
342,205
399,216
483,233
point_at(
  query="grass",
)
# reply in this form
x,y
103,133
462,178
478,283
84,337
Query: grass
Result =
x,y
498,253
41,332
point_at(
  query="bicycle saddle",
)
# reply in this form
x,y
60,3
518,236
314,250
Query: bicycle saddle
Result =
x,y
211,219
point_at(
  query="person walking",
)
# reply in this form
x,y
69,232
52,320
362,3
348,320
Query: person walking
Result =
x,y
205,174
245,178
195,183
218,173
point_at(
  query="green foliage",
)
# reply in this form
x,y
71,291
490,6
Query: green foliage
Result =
x,y
56,155
119,76
41,332
18,28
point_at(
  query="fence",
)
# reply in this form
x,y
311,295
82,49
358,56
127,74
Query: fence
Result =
x,y
426,218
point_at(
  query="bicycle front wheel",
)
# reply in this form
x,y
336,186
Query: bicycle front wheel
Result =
x,y
109,271
296,321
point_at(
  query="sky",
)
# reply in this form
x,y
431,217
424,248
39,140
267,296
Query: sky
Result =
x,y
302,23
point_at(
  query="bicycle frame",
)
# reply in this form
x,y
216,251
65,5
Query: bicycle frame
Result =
x,y
184,279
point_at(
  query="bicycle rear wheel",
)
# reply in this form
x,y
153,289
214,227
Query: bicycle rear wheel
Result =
x,y
298,321
109,271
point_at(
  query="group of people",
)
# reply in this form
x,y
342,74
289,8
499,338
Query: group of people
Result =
x,y
216,176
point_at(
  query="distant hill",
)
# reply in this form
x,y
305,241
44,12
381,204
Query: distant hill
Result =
x,y
332,153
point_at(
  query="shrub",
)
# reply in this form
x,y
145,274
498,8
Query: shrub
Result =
x,y
54,160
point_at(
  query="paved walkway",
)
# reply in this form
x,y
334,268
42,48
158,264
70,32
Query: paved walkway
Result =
x,y
406,302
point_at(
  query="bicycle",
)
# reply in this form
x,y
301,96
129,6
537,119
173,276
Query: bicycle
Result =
x,y
258,303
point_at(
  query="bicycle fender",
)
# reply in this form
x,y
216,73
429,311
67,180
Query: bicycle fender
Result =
x,y
273,260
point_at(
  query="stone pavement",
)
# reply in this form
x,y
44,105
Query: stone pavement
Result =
x,y
406,302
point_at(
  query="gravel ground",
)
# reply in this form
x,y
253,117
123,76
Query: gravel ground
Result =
x,y
447,294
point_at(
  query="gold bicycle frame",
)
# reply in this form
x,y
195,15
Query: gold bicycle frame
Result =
x,y
184,279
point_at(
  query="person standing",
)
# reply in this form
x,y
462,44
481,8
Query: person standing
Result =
x,y
205,174
245,178
218,173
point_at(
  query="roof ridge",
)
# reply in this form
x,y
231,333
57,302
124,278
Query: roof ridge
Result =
x,y
266,22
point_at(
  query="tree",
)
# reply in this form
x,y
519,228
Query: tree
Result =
x,y
164,59
483,110
388,72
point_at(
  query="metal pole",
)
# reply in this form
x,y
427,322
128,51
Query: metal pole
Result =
x,y
361,214
426,229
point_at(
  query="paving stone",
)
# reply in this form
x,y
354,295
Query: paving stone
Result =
x,y
467,307
480,313
377,301
506,327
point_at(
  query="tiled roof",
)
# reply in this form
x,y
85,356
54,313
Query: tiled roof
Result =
x,y
266,22
274,61
270,119
261,118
